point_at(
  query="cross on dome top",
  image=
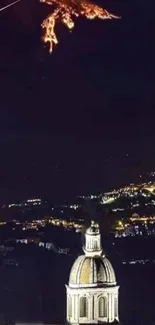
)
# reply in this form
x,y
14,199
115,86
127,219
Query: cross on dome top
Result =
x,y
93,229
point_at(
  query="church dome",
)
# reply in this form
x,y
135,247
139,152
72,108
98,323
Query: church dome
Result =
x,y
92,271
92,291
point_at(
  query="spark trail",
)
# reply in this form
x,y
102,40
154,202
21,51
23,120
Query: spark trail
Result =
x,y
66,12
11,4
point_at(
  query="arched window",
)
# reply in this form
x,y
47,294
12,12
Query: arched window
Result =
x,y
115,307
83,307
95,244
70,307
102,306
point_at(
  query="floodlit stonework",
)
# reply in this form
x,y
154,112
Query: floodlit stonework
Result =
x,y
92,292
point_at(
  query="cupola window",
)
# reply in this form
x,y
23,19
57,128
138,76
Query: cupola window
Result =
x,y
102,306
70,307
83,307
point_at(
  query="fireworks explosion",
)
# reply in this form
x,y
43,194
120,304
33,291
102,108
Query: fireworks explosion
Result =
x,y
65,12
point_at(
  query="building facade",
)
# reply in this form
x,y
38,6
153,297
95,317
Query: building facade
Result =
x,y
92,291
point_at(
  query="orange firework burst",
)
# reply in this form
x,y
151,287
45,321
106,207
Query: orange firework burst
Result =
x,y
65,13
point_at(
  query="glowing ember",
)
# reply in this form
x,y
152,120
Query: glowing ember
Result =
x,y
65,12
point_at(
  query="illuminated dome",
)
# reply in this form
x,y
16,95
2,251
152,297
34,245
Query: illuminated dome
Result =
x,y
92,272
92,292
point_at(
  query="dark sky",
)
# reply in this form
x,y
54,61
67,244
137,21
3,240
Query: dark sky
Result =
x,y
67,120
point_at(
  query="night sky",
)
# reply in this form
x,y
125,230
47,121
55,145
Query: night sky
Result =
x,y
81,119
